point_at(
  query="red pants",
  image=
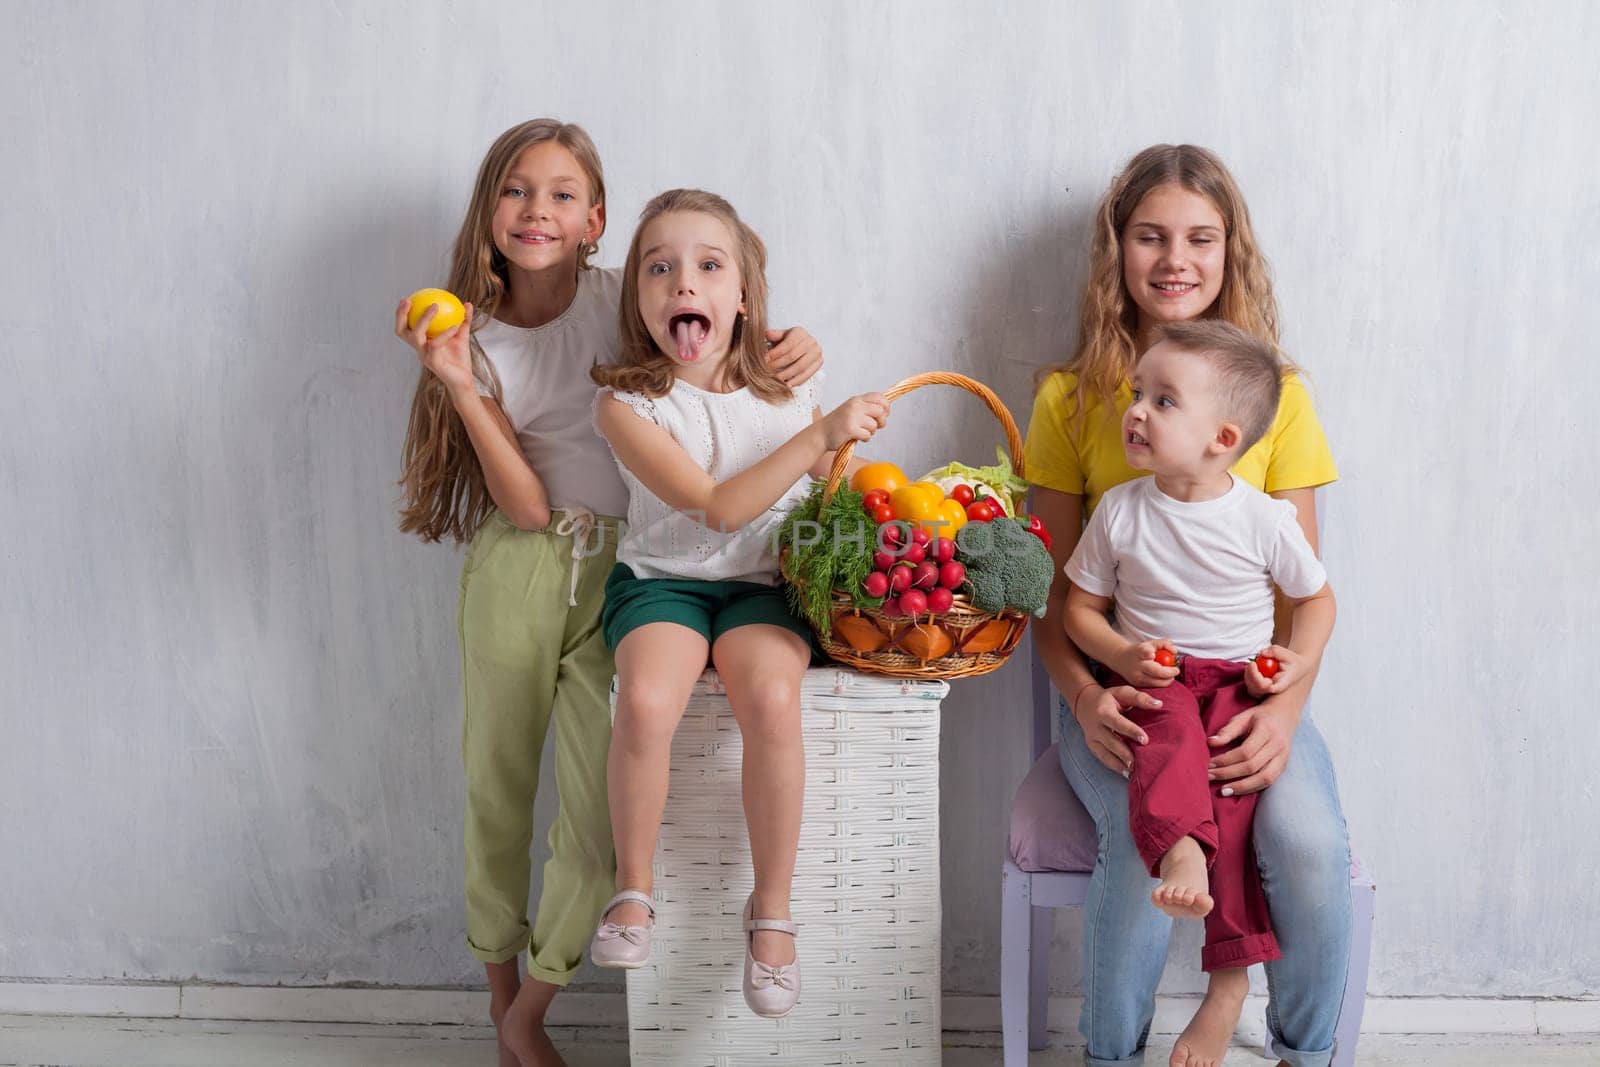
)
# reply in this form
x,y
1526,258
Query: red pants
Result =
x,y
1169,798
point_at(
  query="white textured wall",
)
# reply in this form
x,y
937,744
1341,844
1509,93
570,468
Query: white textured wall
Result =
x,y
229,743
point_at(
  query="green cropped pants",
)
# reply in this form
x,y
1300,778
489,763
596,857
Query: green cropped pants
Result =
x,y
532,658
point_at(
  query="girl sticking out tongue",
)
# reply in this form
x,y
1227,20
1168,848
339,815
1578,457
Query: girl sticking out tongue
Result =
x,y
712,446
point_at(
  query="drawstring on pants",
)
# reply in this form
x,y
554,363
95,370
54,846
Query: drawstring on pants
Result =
x,y
580,523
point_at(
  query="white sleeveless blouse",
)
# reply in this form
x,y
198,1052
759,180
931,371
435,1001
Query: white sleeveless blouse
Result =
x,y
725,434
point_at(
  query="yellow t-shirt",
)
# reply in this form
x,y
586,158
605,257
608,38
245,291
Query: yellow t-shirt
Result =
x,y
1085,458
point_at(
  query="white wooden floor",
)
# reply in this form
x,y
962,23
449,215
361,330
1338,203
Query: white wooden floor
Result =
x,y
62,1041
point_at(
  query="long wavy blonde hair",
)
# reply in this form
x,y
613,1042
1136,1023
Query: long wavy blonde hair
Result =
x,y
1108,318
445,494
642,367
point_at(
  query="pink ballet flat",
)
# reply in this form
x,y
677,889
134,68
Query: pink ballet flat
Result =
x,y
616,946
771,991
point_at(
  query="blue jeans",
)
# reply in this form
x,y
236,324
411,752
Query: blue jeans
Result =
x,y
1303,850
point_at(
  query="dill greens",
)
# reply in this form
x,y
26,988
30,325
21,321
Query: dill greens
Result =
x,y
829,547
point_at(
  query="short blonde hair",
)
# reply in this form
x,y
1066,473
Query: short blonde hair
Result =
x,y
1247,373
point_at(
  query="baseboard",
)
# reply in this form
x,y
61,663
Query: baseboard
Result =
x,y
963,1014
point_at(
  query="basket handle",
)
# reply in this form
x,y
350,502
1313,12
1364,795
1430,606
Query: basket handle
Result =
x,y
841,459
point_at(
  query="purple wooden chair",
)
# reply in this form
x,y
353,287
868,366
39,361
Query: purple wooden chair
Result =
x,y
1052,852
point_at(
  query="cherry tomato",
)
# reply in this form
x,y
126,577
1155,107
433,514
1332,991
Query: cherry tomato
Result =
x,y
980,511
1267,665
874,500
962,494
1166,658
882,513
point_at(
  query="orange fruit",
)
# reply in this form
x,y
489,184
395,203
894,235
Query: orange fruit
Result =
x,y
450,314
880,475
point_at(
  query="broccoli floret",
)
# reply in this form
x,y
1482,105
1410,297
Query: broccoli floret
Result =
x,y
1007,567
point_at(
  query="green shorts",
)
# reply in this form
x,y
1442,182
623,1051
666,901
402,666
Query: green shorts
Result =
x,y
711,609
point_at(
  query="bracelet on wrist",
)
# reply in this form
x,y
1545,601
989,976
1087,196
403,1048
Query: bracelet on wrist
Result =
x,y
1074,705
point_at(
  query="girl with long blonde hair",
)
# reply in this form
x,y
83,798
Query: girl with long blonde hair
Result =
x,y
1173,242
501,452
714,450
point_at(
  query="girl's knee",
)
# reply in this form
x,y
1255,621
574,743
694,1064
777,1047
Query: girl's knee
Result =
x,y
1125,870
1312,848
770,710
645,718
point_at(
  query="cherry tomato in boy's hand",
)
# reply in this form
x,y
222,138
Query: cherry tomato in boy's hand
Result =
x,y
1267,665
874,500
1166,657
980,511
962,494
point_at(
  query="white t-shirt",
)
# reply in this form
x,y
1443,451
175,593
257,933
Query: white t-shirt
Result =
x,y
548,395
725,434
1200,574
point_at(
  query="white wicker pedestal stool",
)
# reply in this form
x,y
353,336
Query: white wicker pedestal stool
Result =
x,y
866,887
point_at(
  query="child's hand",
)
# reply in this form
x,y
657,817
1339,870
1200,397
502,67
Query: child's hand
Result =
x,y
448,356
1138,664
857,419
794,356
1291,668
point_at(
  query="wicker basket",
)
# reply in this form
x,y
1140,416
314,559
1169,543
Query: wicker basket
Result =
x,y
960,643
866,888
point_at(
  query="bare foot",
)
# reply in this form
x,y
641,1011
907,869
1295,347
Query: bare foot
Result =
x,y
522,1027
497,1013
1182,892
504,981
1205,1040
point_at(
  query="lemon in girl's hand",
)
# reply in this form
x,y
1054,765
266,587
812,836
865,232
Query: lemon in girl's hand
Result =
x,y
450,314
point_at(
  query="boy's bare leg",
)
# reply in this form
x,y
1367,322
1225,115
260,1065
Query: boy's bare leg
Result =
x,y
1183,892
1205,1040
522,1028
504,982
